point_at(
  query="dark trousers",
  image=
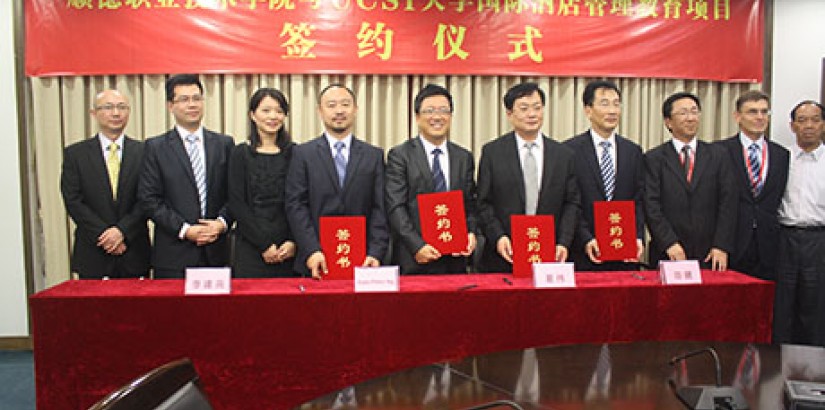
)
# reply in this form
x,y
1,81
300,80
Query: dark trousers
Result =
x,y
799,306
752,263
171,273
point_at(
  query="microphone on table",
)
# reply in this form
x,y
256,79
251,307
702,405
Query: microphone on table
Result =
x,y
706,397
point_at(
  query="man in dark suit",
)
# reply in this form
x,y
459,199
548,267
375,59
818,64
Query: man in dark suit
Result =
x,y
425,164
690,194
525,172
335,174
760,168
99,186
183,186
609,167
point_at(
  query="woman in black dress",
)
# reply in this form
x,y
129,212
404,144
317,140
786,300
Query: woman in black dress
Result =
x,y
257,174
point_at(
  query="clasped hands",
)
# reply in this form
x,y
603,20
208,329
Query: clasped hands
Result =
x,y
205,231
112,241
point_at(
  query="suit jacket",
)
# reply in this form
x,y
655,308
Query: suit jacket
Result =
x,y
758,213
87,194
700,215
169,196
501,194
409,174
312,191
629,186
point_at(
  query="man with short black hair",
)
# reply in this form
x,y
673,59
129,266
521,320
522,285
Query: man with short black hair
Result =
x,y
428,163
690,195
525,172
183,186
609,167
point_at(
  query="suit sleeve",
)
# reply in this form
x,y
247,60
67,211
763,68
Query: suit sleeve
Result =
x,y
571,208
297,203
151,192
378,231
84,217
252,227
726,213
397,194
660,229
491,226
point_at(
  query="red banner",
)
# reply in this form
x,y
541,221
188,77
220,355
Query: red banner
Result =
x,y
696,39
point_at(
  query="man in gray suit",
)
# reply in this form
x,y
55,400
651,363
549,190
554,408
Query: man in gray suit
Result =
x,y
335,174
424,164
183,185
99,186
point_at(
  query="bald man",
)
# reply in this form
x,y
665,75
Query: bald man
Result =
x,y
99,186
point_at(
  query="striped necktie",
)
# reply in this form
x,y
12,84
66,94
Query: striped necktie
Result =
x,y
340,163
608,171
198,168
755,165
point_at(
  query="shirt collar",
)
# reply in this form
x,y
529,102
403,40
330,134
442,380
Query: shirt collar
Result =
x,y
597,139
539,141
816,154
331,141
429,146
677,144
105,141
746,141
183,132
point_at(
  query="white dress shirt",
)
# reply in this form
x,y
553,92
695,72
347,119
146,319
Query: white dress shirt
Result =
x,y
803,204
538,153
443,159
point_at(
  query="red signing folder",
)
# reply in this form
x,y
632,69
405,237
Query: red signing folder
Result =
x,y
344,243
533,240
615,229
443,221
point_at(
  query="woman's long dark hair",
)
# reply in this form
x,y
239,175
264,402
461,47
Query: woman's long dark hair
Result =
x,y
283,138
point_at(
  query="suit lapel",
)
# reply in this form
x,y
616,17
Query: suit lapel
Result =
x,y
326,161
674,164
548,168
770,176
700,162
175,145
419,157
95,158
456,167
512,161
591,157
128,163
355,156
739,162
211,146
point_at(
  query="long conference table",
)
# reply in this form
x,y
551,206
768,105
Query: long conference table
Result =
x,y
276,343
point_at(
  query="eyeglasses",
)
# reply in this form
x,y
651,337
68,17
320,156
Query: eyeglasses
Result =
x,y
430,111
684,113
186,99
756,111
112,107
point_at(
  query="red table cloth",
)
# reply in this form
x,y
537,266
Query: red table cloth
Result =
x,y
270,345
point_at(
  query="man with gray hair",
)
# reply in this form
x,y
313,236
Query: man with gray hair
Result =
x,y
99,186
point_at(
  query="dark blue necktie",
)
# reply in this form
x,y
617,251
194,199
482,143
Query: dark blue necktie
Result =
x,y
439,183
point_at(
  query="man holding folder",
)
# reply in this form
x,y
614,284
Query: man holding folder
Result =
x,y
429,164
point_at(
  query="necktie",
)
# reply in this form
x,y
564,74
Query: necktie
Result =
x,y
113,166
755,162
608,172
686,161
439,183
531,180
196,159
340,163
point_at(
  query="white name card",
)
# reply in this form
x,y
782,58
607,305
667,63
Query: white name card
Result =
x,y
680,272
554,275
380,279
208,281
